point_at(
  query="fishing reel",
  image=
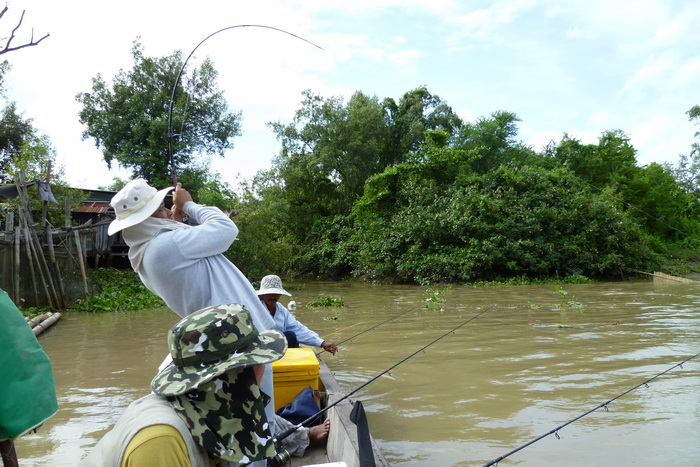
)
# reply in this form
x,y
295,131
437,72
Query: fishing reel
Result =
x,y
281,459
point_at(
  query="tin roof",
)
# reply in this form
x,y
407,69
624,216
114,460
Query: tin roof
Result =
x,y
93,207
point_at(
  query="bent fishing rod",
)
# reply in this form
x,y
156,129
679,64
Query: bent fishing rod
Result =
x,y
373,327
182,69
604,405
346,396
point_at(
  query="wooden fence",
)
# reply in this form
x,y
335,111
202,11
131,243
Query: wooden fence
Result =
x,y
41,264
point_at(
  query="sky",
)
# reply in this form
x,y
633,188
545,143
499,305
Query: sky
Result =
x,y
576,67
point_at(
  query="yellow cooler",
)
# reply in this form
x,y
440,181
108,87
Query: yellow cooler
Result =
x,y
295,371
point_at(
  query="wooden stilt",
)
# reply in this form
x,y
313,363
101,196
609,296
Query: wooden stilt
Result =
x,y
81,262
28,250
15,283
61,293
9,456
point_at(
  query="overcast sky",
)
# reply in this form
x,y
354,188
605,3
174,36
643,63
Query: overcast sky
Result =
x,y
577,66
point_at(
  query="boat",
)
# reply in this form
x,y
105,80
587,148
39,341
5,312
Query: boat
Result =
x,y
342,447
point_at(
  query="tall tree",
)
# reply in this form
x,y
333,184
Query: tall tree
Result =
x,y
331,148
687,173
15,130
416,112
494,139
129,122
610,162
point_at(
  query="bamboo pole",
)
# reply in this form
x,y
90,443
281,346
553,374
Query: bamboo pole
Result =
x,y
38,319
81,262
44,281
25,217
38,251
47,323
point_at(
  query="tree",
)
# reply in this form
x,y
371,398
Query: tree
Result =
x,y
687,173
416,112
610,162
660,204
331,148
510,222
15,130
129,122
494,139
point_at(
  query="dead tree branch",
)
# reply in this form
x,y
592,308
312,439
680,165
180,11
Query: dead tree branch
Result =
x,y
8,45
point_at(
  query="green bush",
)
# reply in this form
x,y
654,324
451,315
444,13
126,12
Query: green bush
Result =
x,y
120,291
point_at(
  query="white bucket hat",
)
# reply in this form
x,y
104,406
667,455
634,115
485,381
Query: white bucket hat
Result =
x,y
272,285
134,204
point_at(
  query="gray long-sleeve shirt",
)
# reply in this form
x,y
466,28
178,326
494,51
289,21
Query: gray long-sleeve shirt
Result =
x,y
186,267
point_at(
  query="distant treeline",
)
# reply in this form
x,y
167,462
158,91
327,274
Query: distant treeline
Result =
x,y
408,192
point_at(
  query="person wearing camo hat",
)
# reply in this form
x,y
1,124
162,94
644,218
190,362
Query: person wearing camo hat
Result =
x,y
207,407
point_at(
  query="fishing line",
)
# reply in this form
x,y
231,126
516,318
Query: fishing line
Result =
x,y
346,396
373,327
179,75
604,405
338,330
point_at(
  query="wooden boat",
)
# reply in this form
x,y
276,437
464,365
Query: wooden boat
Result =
x,y
342,445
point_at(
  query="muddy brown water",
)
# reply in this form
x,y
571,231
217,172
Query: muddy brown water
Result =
x,y
535,361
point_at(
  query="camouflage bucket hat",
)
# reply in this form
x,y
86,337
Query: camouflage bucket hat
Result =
x,y
211,341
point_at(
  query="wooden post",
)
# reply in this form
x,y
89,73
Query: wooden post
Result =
x,y
9,456
56,270
45,207
28,249
81,262
16,284
8,259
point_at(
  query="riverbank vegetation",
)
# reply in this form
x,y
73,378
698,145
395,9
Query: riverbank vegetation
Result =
x,y
386,190
407,192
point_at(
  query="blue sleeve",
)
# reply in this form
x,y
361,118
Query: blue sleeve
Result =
x,y
304,334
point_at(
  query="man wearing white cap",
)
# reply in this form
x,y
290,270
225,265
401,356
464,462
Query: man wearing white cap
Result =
x,y
270,292
184,264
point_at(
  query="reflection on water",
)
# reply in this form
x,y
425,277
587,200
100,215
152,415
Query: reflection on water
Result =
x,y
529,365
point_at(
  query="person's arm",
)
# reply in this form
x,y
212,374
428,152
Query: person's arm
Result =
x,y
213,234
304,334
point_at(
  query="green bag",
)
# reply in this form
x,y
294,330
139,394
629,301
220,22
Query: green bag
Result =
x,y
27,390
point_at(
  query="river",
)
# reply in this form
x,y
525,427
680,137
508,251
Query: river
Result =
x,y
537,358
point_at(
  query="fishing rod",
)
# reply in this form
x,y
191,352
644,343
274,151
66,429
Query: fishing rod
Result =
x,y
604,405
373,327
346,396
182,69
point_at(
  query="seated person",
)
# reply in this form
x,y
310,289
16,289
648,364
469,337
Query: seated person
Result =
x,y
207,406
270,292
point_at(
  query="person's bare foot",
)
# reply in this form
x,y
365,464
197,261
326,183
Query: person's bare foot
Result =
x,y
319,432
